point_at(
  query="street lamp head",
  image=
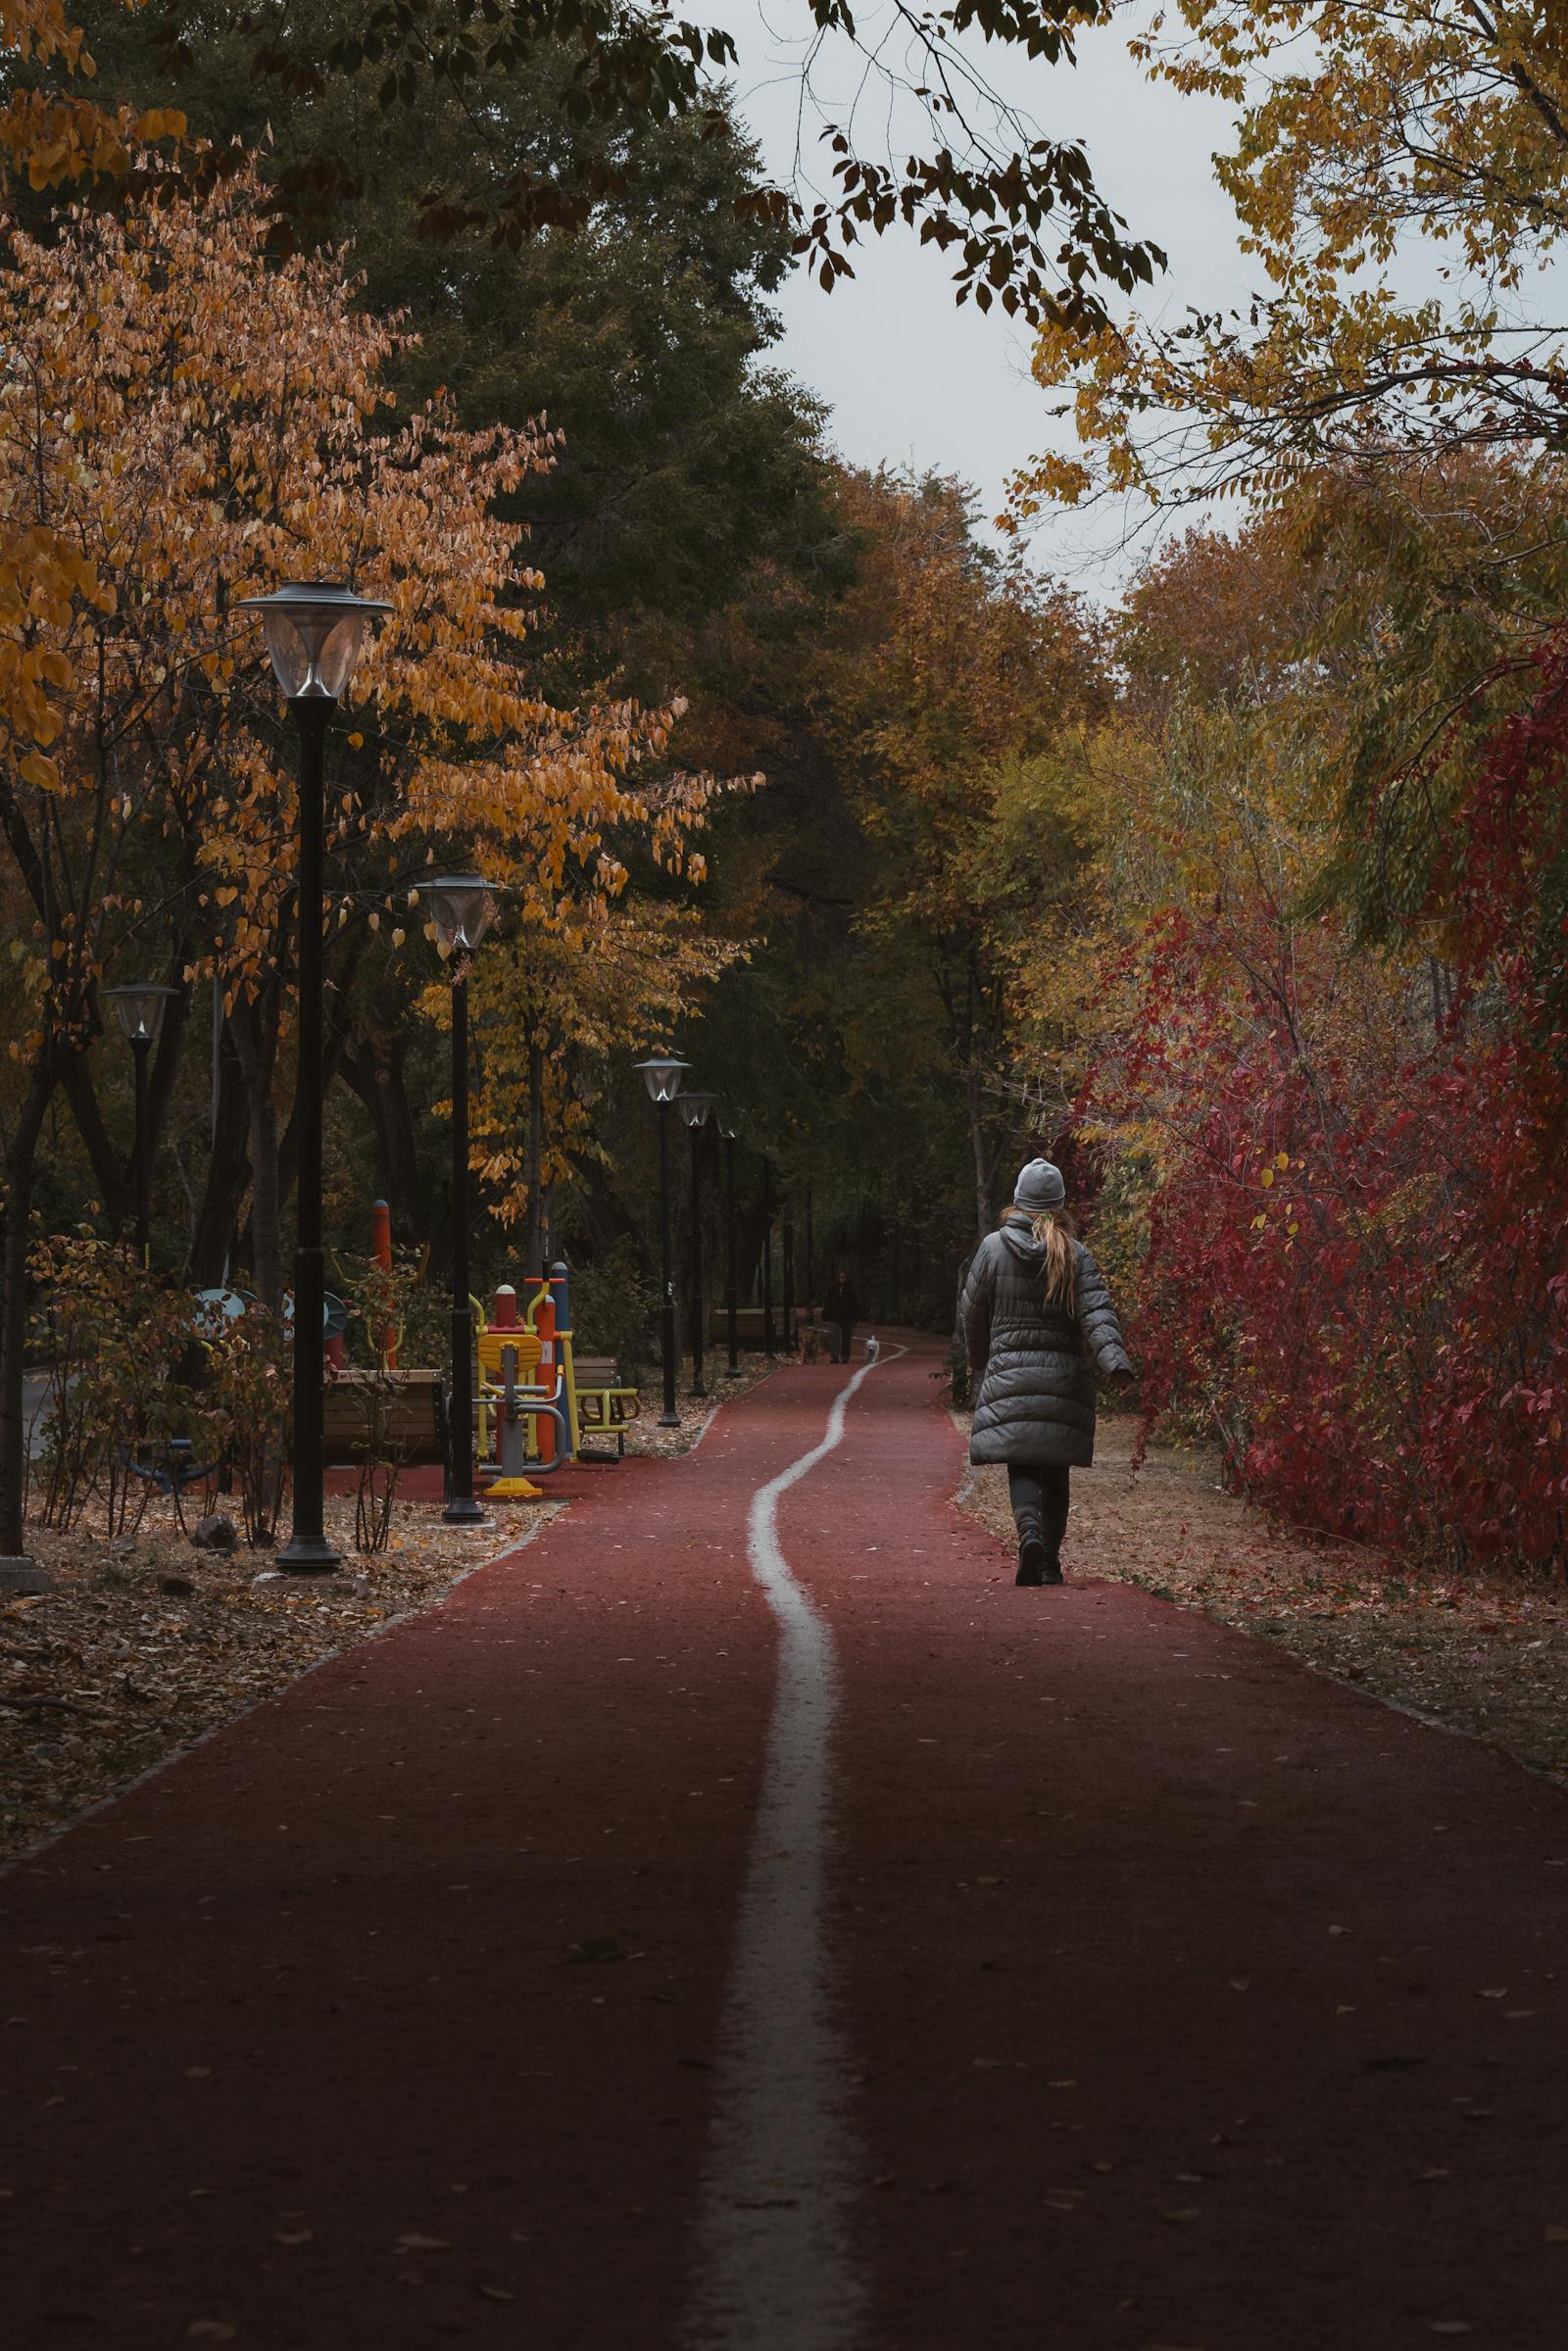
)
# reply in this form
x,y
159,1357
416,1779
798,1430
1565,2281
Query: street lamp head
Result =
x,y
139,1010
661,1075
698,1109
728,1126
463,907
316,632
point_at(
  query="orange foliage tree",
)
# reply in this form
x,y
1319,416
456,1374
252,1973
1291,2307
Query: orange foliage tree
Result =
x,y
954,699
189,424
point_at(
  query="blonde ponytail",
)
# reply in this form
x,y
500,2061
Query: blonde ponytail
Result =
x,y
1053,1229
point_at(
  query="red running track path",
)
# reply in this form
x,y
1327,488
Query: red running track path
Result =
x,y
1174,1996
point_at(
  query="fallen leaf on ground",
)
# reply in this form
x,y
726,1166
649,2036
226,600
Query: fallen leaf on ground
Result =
x,y
599,1947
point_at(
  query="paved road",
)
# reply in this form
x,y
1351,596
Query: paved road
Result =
x,y
742,1919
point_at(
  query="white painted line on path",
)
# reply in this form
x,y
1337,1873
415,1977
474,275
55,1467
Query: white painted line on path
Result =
x,y
774,2267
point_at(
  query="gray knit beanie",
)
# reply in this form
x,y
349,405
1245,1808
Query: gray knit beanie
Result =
x,y
1039,1188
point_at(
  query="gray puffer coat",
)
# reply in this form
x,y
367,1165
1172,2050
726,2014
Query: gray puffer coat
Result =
x,y
1036,1402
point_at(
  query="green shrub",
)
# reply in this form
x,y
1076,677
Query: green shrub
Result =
x,y
613,1305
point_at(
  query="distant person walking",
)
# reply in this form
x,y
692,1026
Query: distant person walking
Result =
x,y
1038,1323
841,1311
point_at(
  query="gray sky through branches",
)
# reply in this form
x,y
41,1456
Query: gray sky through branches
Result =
x,y
911,378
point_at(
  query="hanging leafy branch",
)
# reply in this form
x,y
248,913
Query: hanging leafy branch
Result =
x,y
1366,128
1018,213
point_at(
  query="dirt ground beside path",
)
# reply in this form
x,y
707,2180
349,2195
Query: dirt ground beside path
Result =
x,y
1486,1655
131,1657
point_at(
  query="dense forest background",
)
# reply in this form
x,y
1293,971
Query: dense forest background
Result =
x,y
1245,898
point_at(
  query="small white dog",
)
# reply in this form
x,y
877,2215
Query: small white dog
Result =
x,y
873,1349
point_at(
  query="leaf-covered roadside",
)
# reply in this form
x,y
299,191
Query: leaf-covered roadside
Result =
x,y
644,1437
1487,1654
110,1673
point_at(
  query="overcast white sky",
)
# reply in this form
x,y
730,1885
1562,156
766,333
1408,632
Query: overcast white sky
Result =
x,y
910,377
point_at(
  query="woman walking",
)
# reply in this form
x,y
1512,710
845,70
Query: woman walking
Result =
x,y
1039,1322
841,1311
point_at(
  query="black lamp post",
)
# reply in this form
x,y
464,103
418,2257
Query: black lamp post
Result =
x,y
811,1269
662,1076
462,907
789,1281
316,632
732,1369
697,1109
139,1010
768,1256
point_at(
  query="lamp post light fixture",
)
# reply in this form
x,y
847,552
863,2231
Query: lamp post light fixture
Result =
x,y
732,1369
316,632
697,1109
462,907
661,1075
139,1010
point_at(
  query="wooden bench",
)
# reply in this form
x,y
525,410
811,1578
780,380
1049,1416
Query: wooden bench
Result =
x,y
603,1398
414,1417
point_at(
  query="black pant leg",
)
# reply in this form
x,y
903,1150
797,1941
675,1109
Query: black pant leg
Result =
x,y
1024,1492
1056,1501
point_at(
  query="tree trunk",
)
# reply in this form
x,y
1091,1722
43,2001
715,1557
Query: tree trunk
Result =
x,y
982,1154
20,1157
751,1228
374,1077
534,1246
228,1174
256,1043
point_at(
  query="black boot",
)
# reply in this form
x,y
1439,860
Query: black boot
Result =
x,y
1033,1564
1053,1570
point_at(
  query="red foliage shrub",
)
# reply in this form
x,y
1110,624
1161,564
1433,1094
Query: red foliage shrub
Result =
x,y
1357,1260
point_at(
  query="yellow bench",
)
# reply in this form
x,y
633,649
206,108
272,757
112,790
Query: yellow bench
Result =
x,y
601,1400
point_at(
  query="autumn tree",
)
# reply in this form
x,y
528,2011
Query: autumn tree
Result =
x,y
192,425
1366,134
953,684
644,330
1017,213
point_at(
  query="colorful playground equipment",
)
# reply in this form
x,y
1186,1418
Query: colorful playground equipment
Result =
x,y
534,1397
514,1393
